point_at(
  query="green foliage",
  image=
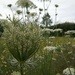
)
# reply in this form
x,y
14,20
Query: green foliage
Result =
x,y
1,30
53,63
46,20
5,60
23,40
43,65
45,62
65,26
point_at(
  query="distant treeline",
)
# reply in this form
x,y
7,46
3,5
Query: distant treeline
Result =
x,y
65,26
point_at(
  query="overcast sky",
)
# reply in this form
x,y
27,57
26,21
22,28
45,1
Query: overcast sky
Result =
x,y
66,9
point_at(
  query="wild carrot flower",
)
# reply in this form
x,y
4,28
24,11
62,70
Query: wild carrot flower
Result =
x,y
2,57
50,48
15,73
69,71
4,51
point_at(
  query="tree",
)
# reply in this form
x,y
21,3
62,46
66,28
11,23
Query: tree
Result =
x,y
46,20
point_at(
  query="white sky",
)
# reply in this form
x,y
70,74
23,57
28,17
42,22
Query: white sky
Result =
x,y
66,9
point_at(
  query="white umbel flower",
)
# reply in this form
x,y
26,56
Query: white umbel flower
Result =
x,y
50,48
15,73
69,71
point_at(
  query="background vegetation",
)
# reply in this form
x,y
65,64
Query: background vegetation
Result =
x,y
26,48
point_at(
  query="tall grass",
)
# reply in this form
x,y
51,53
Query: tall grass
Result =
x,y
44,62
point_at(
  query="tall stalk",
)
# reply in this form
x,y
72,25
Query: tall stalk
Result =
x,y
44,6
21,68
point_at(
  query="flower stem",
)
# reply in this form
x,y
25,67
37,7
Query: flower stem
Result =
x,y
21,68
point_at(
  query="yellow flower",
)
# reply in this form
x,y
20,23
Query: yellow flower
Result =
x,y
24,73
4,62
43,51
4,51
5,65
2,57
